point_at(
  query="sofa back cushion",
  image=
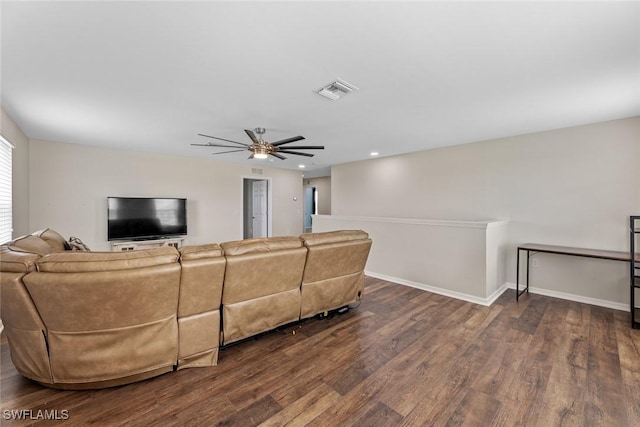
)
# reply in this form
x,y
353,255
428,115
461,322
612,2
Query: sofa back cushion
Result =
x,y
261,285
17,261
31,244
53,239
78,262
201,279
264,244
341,236
210,250
335,253
264,266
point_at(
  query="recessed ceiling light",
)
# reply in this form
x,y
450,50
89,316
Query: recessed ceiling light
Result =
x,y
374,153
301,166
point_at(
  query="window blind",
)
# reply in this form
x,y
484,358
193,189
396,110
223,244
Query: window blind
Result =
x,y
6,221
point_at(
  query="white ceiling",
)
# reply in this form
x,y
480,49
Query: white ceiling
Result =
x,y
150,76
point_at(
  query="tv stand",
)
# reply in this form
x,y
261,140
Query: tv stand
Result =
x,y
137,245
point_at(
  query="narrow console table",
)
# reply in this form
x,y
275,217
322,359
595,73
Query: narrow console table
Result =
x,y
565,250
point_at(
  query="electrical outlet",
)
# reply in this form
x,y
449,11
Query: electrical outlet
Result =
x,y
534,262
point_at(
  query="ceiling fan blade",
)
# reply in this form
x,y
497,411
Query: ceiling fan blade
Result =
x,y
252,136
231,151
226,146
288,140
278,156
296,153
309,147
222,139
216,145
250,156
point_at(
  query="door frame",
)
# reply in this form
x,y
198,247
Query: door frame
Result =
x,y
314,203
243,217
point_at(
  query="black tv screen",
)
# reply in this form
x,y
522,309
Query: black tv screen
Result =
x,y
137,218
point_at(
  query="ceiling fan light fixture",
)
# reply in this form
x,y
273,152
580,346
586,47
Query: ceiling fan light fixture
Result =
x,y
260,152
337,89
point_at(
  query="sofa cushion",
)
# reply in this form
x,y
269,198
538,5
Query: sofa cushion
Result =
x,y
17,261
53,239
31,244
201,279
313,239
72,262
265,244
200,251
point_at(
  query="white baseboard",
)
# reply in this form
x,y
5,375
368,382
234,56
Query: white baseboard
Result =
x,y
491,298
441,291
576,298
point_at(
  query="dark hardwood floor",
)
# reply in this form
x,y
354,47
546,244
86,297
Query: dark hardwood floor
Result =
x,y
404,357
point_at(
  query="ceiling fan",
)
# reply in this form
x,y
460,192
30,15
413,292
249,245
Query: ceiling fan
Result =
x,y
260,149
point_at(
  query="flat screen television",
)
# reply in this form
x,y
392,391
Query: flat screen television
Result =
x,y
142,218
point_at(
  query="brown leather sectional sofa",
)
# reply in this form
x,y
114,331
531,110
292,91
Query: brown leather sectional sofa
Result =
x,y
81,320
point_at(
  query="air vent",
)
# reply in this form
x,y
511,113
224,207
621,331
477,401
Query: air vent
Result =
x,y
256,171
337,89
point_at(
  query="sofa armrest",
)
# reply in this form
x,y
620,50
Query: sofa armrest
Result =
x,y
24,328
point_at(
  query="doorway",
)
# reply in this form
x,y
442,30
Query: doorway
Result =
x,y
256,208
310,207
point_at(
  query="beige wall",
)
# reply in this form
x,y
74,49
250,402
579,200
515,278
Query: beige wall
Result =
x,y
70,184
573,187
323,187
20,170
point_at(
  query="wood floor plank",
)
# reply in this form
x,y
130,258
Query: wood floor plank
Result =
x,y
401,357
254,414
629,354
305,409
568,379
530,318
476,409
380,415
356,403
604,395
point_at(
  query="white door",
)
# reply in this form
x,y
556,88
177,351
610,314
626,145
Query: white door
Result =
x,y
259,214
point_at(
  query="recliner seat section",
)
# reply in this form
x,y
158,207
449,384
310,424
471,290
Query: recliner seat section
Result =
x,y
201,281
98,307
85,320
261,285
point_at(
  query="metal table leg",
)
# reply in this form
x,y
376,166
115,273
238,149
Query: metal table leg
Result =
x,y
517,273
526,284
